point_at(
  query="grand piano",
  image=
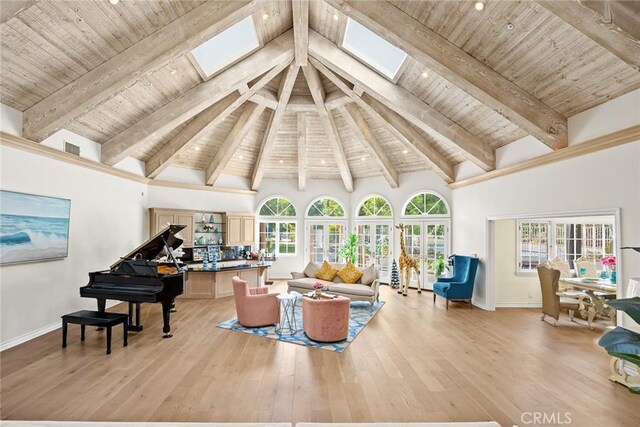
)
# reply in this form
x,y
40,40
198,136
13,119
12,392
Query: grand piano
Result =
x,y
135,281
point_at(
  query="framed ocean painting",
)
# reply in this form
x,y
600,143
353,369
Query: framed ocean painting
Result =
x,y
33,228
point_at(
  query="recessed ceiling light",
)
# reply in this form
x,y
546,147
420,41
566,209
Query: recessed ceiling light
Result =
x,y
114,2
265,16
479,5
172,71
509,26
405,151
323,162
362,158
335,17
281,161
240,157
425,74
197,148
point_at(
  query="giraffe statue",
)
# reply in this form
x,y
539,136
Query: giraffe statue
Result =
x,y
406,264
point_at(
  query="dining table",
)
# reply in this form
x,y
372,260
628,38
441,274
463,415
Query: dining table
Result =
x,y
598,292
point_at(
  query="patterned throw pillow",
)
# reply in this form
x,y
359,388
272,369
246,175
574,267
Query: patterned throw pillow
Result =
x,y
349,273
327,272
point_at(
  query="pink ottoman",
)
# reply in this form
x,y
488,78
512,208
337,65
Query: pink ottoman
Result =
x,y
326,320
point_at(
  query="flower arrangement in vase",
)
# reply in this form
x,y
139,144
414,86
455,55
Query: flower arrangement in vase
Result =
x,y
610,264
318,288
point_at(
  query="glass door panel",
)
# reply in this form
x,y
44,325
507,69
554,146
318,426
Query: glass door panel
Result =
x,y
315,239
323,241
424,241
335,238
435,245
374,247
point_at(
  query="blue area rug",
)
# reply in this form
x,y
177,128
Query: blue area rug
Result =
x,y
360,315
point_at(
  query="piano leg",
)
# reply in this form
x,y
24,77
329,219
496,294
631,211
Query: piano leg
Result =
x,y
101,307
136,327
166,314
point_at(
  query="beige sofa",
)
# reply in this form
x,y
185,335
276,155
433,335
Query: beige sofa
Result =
x,y
302,283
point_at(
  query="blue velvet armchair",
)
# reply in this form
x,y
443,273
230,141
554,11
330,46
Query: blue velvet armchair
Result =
x,y
460,285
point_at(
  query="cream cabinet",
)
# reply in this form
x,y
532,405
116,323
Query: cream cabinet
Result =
x,y
159,218
241,229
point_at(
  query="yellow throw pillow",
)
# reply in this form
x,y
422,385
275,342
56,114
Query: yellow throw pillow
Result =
x,y
349,273
327,272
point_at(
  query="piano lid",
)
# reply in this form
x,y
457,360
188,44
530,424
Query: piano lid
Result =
x,y
155,245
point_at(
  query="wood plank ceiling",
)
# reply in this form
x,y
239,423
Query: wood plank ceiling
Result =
x,y
120,75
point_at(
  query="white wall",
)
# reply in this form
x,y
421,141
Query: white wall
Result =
x,y
88,149
608,179
177,198
10,120
108,219
512,290
410,183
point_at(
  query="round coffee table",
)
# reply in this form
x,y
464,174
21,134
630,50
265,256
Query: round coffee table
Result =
x,y
287,323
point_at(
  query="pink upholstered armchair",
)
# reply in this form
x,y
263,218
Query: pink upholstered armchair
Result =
x,y
255,306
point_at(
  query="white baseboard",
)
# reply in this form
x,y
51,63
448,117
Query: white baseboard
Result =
x,y
5,345
518,305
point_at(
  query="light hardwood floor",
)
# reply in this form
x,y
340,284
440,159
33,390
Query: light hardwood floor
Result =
x,y
413,362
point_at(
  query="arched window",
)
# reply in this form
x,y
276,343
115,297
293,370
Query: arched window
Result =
x,y
325,207
375,206
277,206
426,203
277,227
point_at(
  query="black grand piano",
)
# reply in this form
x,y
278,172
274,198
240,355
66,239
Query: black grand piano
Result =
x,y
134,280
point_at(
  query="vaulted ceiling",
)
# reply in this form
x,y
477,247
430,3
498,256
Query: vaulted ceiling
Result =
x,y
301,106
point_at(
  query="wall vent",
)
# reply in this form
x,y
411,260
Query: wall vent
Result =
x,y
71,148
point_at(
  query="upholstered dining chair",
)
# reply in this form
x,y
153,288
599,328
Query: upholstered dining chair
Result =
x,y
551,302
255,307
587,264
460,285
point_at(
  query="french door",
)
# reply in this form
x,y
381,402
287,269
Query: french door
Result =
x,y
375,241
324,240
425,241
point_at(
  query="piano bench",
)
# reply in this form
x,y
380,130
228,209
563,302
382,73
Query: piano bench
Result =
x,y
95,318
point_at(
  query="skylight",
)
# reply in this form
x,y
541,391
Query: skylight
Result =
x,y
372,49
227,47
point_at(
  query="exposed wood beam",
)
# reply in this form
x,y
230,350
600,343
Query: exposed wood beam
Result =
x,y
600,143
284,92
210,117
193,131
11,8
302,151
402,131
610,36
359,126
301,30
129,66
401,101
336,99
266,97
272,59
232,142
301,104
329,125
395,125
463,70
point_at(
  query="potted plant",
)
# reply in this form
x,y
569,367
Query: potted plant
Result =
x,y
623,343
610,264
349,248
439,265
318,288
